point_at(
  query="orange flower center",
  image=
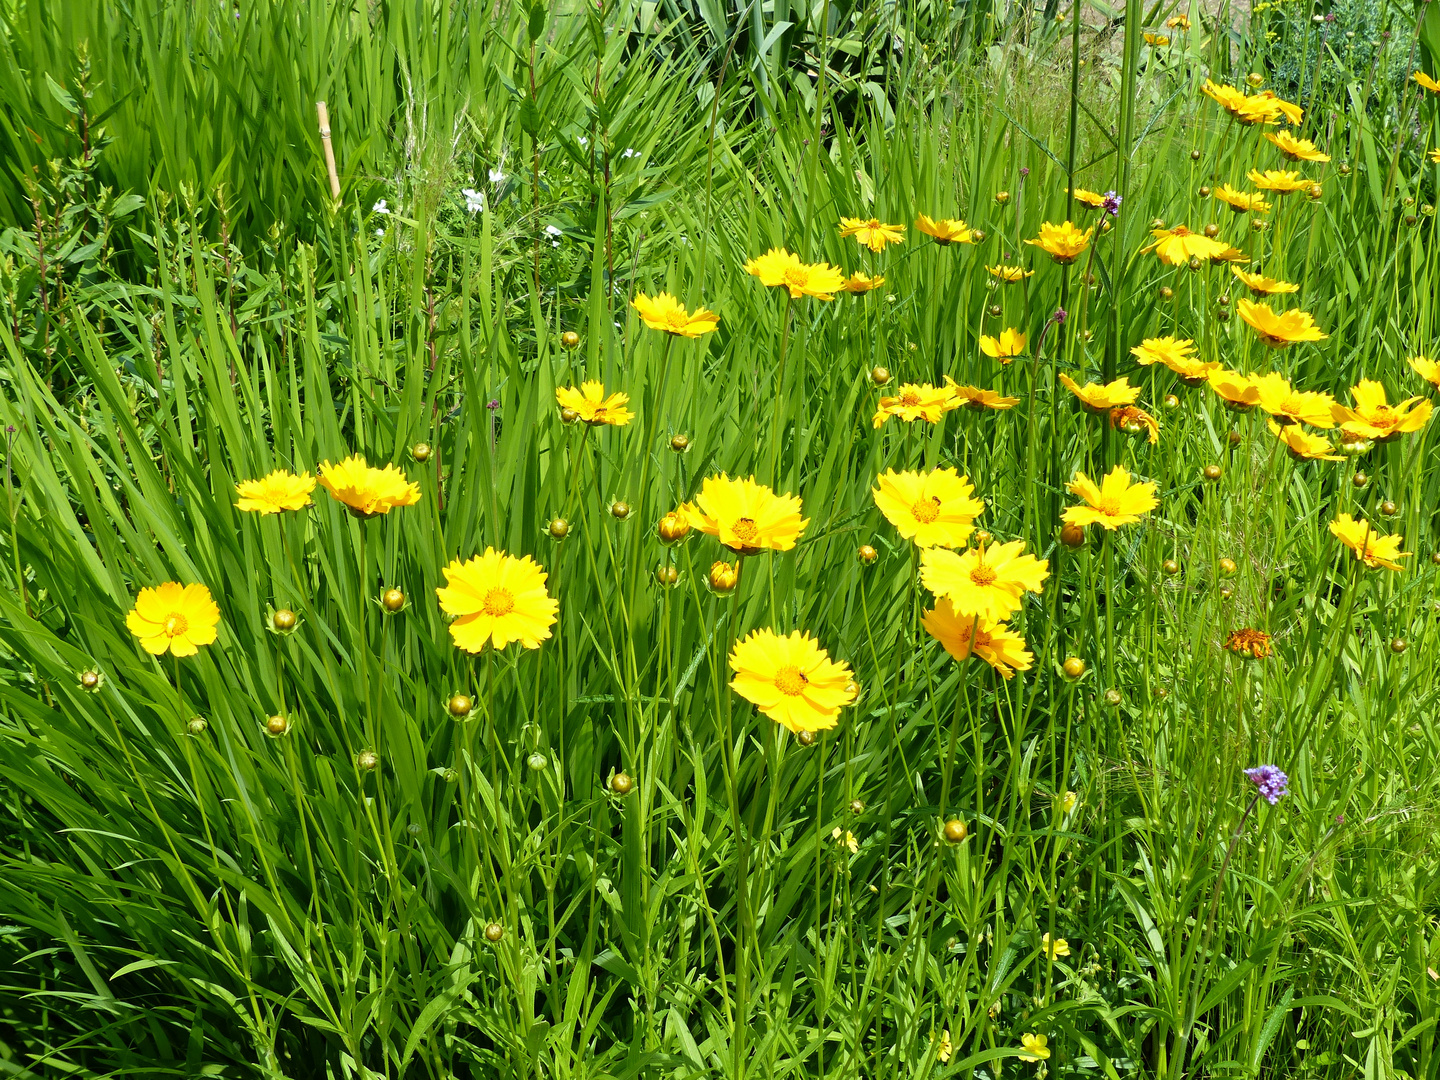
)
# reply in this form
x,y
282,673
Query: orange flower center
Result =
x,y
791,680
910,397
176,625
796,275
926,510
746,530
982,575
499,602
1180,230
1109,506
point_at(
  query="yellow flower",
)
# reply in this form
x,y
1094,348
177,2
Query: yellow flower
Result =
x,y
1289,110
1178,22
1159,41
1260,285
778,268
964,635
665,313
745,516
1034,1047
1227,97
174,618
859,283
497,599
1099,398
1064,243
945,230
945,1049
1427,369
1113,503
1092,199
1009,275
1435,156
872,232
1426,81
972,397
1175,247
1068,802
917,401
1373,418
1280,181
1058,947
367,491
1228,254
1251,644
1163,350
791,679
1132,421
1301,445
846,839
1242,202
1370,547
932,509
278,491
1296,149
989,583
1279,399
1236,391
592,406
1279,330
1010,344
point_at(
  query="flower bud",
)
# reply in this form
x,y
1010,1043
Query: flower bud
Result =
x,y
367,760
1212,230
537,762
196,725
1227,567
420,452
494,932
558,529
619,510
680,443
91,680
667,575
805,738
1194,155
982,536
392,600
568,415
570,339
1205,191
1226,592
1073,667
1170,567
867,554
857,807
622,784
1398,645
460,705
1113,698
978,236
880,376
1388,508
956,831
1359,480
282,621
277,726
1170,401
1072,536
1166,292
1002,197
723,576
673,528
994,311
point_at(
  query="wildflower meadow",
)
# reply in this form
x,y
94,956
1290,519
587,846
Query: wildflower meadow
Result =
x,y
719,539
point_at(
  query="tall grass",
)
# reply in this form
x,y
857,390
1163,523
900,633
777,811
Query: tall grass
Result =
x,y
205,899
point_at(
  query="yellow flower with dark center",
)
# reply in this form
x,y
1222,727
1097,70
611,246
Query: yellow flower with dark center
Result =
x,y
1236,391
1112,503
989,582
1177,246
367,491
1098,398
1009,275
945,1049
1427,369
1301,445
1280,181
1281,400
280,490
1064,242
916,401
1426,81
780,269
1158,41
1034,1047
1193,371
1252,644
1296,149
872,232
1178,22
859,283
665,313
1010,344
496,599
173,618
1058,947
1292,112
1092,199
973,397
945,230
592,406
1278,330
1374,549
1373,418
792,680
1227,97
1242,202
1228,254
963,636
1132,421
1163,350
934,509
1260,285
746,516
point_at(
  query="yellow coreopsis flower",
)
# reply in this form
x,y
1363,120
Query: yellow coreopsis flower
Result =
x,y
1260,285
173,618
860,283
916,401
1301,445
1281,400
1092,199
1280,181
945,230
496,599
1374,549
1158,41
1178,22
780,269
1009,275
944,1050
1034,1047
1227,97
1059,946
1427,369
985,582
1296,149
1236,391
1176,247
791,679
365,490
1373,418
1098,398
1064,242
872,232
1010,344
963,636
1281,329
746,516
1292,112
1132,421
280,490
973,397
1241,202
934,509
1163,350
1426,81
589,404
1434,156
665,313
1114,502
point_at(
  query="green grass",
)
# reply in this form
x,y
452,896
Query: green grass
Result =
x,y
189,901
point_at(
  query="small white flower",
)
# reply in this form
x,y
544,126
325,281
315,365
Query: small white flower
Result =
x,y
497,177
551,230
381,207
630,152
380,233
474,200
583,141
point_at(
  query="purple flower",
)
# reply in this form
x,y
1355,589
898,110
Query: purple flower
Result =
x,y
1274,785
1024,172
1111,205
493,404
1060,315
